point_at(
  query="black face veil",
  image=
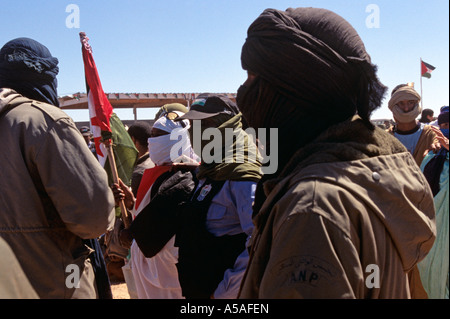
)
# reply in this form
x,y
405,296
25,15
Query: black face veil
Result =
x,y
27,67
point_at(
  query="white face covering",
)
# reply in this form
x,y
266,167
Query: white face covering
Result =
x,y
171,148
406,117
159,149
405,93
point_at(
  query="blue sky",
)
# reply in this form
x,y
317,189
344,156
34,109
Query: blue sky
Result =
x,y
193,46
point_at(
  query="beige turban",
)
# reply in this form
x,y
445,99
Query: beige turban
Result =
x,y
405,93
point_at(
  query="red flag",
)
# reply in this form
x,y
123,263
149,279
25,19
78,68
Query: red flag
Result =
x,y
100,109
107,127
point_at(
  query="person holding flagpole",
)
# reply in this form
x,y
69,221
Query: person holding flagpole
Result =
x,y
55,195
151,235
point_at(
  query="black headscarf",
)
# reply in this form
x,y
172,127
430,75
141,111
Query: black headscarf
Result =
x,y
312,71
28,67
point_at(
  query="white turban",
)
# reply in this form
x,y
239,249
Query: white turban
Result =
x,y
174,147
163,123
405,93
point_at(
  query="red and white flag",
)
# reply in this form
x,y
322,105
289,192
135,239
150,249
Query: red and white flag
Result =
x,y
100,109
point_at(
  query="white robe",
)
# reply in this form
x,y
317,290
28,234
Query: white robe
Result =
x,y
156,277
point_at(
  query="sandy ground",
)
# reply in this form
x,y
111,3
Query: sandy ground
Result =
x,y
119,290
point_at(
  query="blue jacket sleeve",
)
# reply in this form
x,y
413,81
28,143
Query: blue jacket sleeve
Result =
x,y
242,196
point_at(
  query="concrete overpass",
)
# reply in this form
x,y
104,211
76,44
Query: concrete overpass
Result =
x,y
135,101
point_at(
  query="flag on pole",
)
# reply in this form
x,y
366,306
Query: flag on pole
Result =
x,y
105,124
427,69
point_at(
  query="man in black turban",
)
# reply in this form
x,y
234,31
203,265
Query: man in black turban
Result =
x,y
345,191
27,67
55,196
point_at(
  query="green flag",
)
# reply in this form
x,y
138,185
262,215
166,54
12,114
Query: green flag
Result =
x,y
125,153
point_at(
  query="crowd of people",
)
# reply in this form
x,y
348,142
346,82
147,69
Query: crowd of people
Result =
x,y
353,210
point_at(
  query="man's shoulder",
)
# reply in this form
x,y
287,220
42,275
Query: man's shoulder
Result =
x,y
55,113
25,106
41,116
33,108
174,185
428,129
144,163
429,135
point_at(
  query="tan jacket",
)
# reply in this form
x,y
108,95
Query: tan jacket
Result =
x,y
53,194
14,284
351,220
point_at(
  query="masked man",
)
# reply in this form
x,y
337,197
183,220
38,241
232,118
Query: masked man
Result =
x,y
349,213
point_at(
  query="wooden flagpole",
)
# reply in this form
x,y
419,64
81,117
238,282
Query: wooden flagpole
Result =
x,y
115,175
